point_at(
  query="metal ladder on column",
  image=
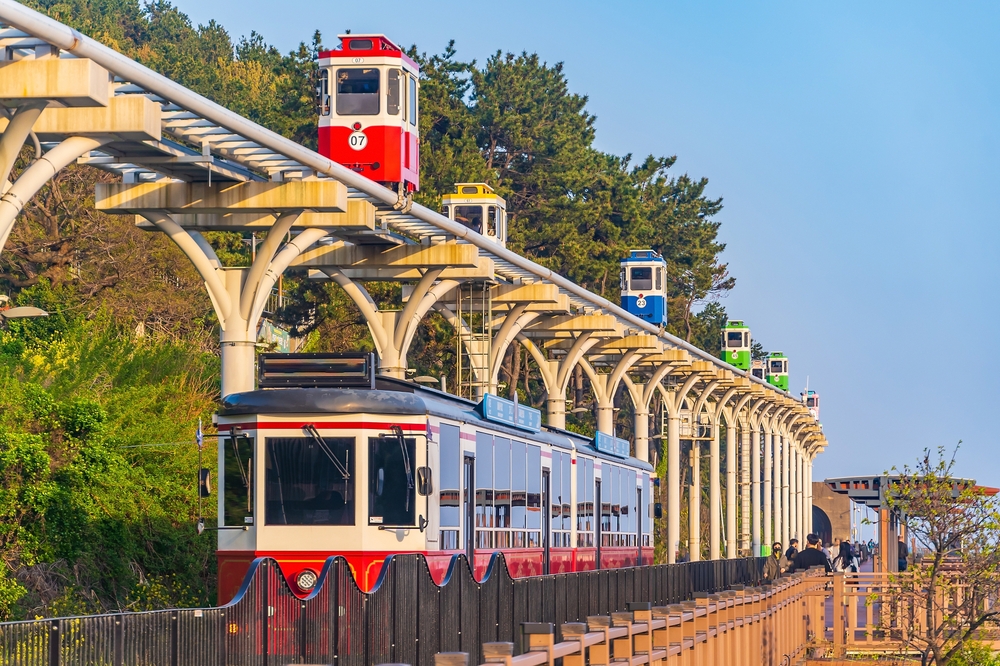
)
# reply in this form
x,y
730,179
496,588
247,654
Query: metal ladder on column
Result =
x,y
474,308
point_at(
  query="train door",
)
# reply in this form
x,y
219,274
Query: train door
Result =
x,y
469,508
546,522
599,522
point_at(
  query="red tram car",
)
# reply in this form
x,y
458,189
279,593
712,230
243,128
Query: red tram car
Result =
x,y
328,459
368,99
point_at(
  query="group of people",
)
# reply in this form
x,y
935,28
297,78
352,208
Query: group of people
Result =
x,y
847,557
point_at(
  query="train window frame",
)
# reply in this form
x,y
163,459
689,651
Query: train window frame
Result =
x,y
362,97
326,449
381,485
413,100
492,221
461,211
325,108
393,98
360,45
641,282
450,483
244,472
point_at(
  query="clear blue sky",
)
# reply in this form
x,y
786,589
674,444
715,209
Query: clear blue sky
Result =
x,y
855,144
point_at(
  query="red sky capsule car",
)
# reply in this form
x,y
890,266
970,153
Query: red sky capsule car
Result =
x,y
368,110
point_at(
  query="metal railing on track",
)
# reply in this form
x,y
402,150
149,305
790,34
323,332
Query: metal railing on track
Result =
x,y
406,618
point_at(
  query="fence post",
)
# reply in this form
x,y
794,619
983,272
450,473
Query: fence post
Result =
x,y
574,631
540,638
118,642
839,649
462,658
55,643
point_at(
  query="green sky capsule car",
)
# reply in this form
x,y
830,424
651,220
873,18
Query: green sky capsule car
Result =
x,y
777,370
736,344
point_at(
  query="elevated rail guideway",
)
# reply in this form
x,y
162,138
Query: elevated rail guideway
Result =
x,y
188,165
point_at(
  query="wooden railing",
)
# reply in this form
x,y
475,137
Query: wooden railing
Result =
x,y
770,625
802,617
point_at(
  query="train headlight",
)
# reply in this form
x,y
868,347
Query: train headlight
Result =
x,y
306,580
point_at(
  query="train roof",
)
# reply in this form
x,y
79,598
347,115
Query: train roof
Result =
x,y
397,397
374,46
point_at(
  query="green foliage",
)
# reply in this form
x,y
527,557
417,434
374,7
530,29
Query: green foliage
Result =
x,y
975,654
92,517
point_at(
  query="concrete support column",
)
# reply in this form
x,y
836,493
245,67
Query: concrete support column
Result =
x,y
768,494
731,468
809,494
555,409
694,503
605,414
642,432
793,491
744,470
237,343
776,488
802,494
786,527
673,486
755,491
714,495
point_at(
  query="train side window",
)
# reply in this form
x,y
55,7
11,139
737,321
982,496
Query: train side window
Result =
x,y
445,211
641,278
392,94
357,92
237,481
309,481
501,489
518,495
391,481
413,101
534,496
484,488
746,339
647,518
567,489
492,221
451,486
659,279
555,492
324,92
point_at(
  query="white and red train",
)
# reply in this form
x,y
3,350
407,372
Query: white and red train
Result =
x,y
328,459
368,110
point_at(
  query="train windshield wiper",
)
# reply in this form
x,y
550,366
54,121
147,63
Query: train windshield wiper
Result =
x,y
325,448
398,432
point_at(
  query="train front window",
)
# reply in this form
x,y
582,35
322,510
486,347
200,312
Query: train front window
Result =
x,y
810,402
357,92
641,279
237,502
470,216
309,481
392,496
735,339
776,367
393,95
